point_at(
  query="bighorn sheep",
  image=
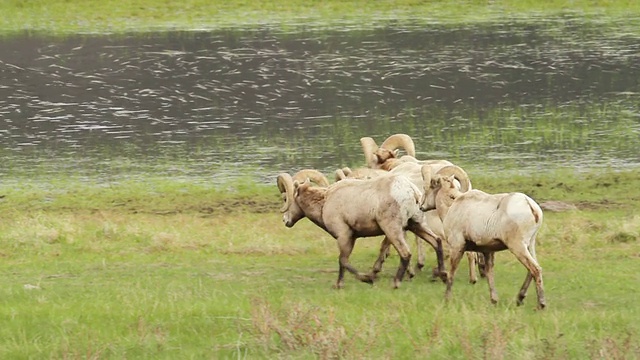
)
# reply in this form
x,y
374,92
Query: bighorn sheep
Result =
x,y
385,157
413,171
351,209
477,221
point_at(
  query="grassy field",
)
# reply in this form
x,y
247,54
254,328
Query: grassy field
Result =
x,y
166,270
117,16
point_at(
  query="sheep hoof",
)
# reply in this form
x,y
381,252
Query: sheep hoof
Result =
x,y
410,274
338,286
443,275
494,301
541,304
367,278
435,274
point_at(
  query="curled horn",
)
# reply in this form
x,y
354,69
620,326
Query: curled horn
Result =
x,y
426,176
313,175
396,141
343,173
369,148
458,173
285,185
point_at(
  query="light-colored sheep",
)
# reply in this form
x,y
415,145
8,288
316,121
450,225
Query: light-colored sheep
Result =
x,y
351,209
385,157
413,171
477,221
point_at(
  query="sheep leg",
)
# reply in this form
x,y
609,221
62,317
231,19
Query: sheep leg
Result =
x,y
473,277
382,256
398,241
535,271
433,240
455,255
530,275
489,258
405,258
346,247
481,265
385,247
523,290
421,254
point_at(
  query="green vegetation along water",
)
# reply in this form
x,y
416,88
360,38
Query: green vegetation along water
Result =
x,y
116,16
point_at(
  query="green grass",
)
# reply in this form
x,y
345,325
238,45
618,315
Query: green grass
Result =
x,y
72,16
166,270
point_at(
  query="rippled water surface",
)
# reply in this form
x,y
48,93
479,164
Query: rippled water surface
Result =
x,y
226,104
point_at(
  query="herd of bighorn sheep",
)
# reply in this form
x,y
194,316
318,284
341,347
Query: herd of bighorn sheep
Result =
x,y
433,199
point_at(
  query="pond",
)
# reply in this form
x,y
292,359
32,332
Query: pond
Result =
x,y
214,106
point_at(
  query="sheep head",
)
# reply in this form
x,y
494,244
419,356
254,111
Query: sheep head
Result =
x,y
397,141
289,188
441,188
376,157
302,199
369,148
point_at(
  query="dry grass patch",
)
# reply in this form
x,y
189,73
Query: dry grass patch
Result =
x,y
297,327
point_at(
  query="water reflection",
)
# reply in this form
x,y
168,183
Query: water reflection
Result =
x,y
259,102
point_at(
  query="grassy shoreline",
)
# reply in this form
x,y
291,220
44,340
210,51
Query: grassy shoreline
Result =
x,y
166,195
117,16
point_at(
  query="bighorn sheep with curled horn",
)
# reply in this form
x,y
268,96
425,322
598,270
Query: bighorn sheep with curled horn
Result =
x,y
477,221
351,209
413,171
386,158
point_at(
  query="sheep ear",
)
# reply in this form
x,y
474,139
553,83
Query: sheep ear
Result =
x,y
437,181
296,187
